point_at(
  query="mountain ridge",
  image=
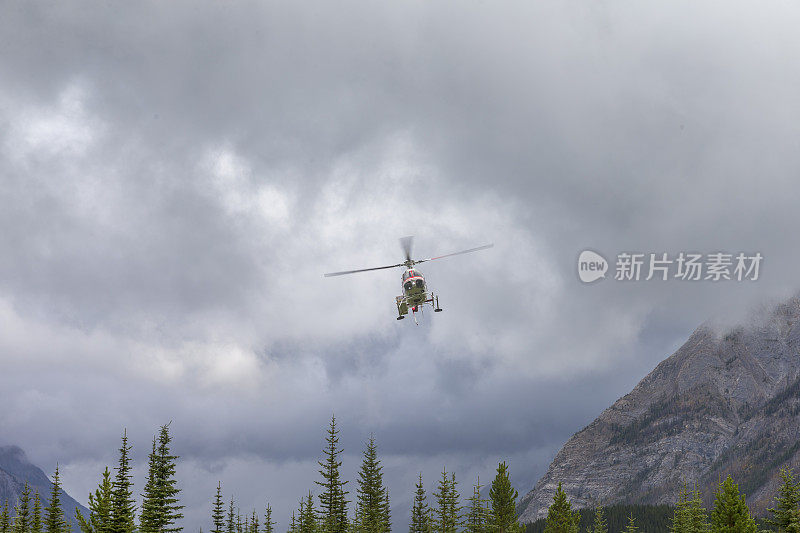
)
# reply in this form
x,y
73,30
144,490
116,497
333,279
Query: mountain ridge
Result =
x,y
16,470
727,401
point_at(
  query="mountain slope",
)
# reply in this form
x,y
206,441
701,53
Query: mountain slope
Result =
x,y
723,403
15,470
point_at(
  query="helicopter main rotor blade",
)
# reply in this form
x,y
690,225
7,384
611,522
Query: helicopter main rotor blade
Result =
x,y
331,274
407,243
484,247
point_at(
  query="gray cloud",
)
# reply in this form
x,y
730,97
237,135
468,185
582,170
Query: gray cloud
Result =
x,y
176,178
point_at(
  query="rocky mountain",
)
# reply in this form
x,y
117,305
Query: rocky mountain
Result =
x,y
728,401
15,470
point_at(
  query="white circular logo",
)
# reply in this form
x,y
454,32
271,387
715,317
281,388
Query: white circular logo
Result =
x,y
591,266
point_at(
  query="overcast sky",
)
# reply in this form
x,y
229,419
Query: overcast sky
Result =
x,y
175,178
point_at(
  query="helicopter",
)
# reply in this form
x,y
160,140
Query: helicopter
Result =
x,y
415,290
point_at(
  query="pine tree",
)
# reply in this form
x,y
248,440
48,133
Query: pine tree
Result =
x,y
160,504
504,502
36,522
454,506
333,504
372,504
218,511
786,502
689,515
681,519
99,520
5,519
123,506
730,513
269,525
231,525
293,524
148,518
478,515
22,520
631,527
560,517
54,515
698,517
446,517
600,525
420,514
308,515
254,523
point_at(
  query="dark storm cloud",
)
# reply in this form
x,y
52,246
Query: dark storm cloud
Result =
x,y
177,176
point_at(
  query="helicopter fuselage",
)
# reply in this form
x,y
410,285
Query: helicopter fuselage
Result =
x,y
414,287
415,293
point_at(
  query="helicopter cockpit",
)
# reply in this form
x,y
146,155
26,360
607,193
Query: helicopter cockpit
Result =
x,y
413,279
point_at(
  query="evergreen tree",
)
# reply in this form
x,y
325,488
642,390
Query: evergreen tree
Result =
x,y
269,525
160,504
730,513
231,518
600,524
698,517
372,504
54,515
36,521
689,515
123,505
254,523
560,517
148,517
681,519
308,515
218,511
631,527
5,519
446,517
293,524
786,502
333,504
504,503
454,506
420,514
99,520
478,515
22,520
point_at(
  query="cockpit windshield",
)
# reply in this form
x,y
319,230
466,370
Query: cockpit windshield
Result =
x,y
411,274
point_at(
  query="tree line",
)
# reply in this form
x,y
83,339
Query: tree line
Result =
x,y
329,511
729,514
112,506
28,515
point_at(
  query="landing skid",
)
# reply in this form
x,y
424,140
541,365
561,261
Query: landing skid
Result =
x,y
403,307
